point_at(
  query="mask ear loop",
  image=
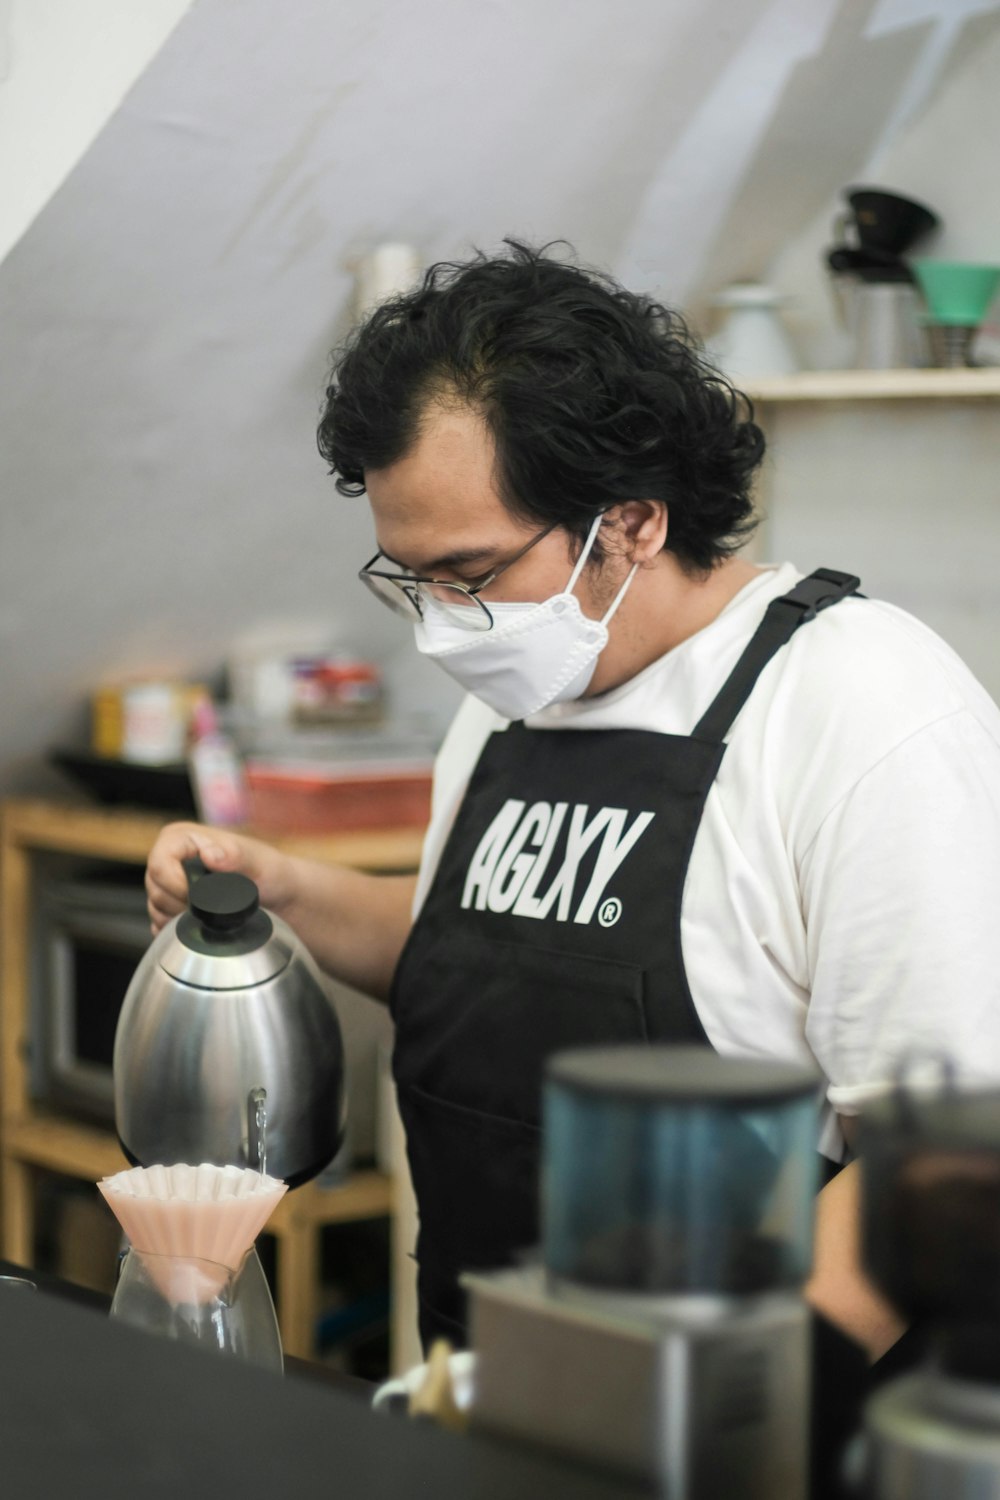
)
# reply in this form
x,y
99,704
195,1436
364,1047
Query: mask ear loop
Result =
x,y
587,547
621,593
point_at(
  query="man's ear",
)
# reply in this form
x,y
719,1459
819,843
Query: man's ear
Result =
x,y
639,528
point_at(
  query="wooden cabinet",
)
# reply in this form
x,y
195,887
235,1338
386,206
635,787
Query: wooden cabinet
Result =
x,y
33,1140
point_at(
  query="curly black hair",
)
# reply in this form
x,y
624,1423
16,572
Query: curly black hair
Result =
x,y
593,395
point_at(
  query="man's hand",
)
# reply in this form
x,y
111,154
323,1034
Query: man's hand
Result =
x,y
273,873
354,924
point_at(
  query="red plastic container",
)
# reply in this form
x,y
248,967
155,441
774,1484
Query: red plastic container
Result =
x,y
310,800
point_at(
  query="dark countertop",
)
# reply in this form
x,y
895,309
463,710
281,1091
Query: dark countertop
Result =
x,y
304,1369
95,1409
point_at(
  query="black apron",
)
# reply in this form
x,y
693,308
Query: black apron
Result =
x,y
553,921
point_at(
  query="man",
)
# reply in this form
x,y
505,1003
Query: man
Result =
x,y
688,798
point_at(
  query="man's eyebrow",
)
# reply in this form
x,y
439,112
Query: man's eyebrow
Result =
x,y
458,559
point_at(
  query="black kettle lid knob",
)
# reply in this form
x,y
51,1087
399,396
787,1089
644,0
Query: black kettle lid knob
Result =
x,y
223,902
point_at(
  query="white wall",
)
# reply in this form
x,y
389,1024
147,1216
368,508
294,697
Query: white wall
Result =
x,y
907,496
168,313
65,67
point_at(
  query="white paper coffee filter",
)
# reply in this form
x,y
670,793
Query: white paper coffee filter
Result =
x,y
204,1213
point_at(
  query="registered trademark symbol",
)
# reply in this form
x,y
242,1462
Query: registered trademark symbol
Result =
x,y
610,911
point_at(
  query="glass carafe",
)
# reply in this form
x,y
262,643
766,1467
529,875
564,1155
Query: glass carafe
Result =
x,y
200,1302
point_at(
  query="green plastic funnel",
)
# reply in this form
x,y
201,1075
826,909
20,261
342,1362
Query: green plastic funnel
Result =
x,y
956,291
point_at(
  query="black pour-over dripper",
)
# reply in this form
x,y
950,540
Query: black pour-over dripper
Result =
x,y
880,229
888,222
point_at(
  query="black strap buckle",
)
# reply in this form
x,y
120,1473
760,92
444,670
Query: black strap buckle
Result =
x,y
819,591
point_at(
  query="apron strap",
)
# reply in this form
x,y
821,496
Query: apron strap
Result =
x,y
781,620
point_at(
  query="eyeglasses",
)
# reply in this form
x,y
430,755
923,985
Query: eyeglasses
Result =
x,y
405,593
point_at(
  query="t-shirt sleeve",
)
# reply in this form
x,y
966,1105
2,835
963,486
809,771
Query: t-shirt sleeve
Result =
x,y
901,900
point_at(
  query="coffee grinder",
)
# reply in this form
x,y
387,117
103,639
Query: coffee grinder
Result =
x,y
662,1332
931,1175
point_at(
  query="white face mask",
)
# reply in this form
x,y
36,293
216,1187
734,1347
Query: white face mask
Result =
x,y
536,654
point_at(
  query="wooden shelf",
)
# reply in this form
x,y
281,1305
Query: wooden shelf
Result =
x,y
363,1195
875,385
34,1141
88,1152
124,834
62,1145
53,1144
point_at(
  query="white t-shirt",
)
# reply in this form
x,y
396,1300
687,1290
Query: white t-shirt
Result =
x,y
842,903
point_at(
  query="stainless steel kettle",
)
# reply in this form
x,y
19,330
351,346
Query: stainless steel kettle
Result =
x,y
228,1047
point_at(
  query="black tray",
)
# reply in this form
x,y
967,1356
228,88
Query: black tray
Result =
x,y
125,782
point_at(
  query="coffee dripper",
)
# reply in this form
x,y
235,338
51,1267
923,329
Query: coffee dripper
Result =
x,y
191,1272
